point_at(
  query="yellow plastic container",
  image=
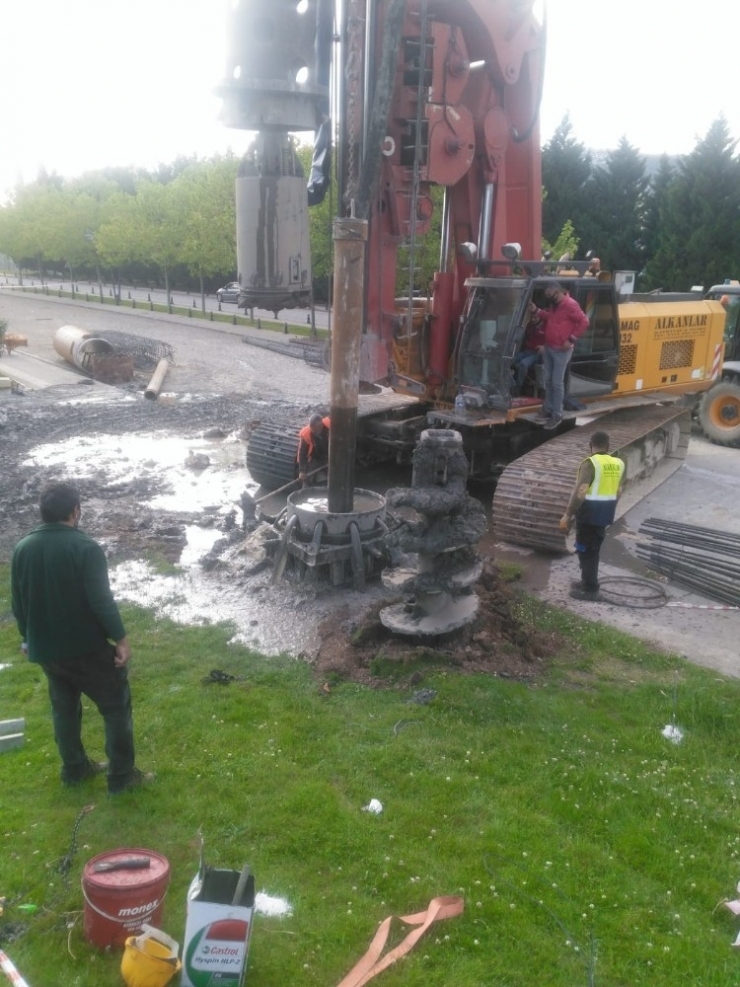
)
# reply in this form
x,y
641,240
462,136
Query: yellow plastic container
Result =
x,y
150,959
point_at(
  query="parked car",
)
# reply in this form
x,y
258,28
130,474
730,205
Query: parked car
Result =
x,y
229,292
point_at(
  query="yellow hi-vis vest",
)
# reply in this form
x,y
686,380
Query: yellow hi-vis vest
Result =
x,y
601,499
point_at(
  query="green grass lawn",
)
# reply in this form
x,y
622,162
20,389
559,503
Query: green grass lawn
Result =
x,y
589,849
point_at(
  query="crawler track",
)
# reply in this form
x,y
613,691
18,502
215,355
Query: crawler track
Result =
x,y
532,493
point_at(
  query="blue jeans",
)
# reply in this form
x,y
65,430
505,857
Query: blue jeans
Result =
x,y
95,676
555,366
523,363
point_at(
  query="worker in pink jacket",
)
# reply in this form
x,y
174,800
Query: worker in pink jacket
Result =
x,y
563,323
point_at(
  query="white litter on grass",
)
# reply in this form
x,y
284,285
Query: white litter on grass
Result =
x,y
373,806
673,733
265,904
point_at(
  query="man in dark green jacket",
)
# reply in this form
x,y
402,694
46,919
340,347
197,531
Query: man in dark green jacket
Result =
x,y
67,616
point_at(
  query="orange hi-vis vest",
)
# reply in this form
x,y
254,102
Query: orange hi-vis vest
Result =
x,y
306,435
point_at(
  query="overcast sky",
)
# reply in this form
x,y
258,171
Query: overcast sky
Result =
x,y
90,83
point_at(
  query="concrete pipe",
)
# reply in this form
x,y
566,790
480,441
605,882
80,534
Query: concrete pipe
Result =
x,y
155,384
79,347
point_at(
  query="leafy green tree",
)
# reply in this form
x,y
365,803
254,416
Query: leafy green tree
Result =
x,y
566,244
320,220
118,236
566,167
206,192
699,239
160,224
37,225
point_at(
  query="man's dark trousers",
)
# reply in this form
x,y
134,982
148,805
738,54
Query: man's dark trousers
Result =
x,y
589,538
96,676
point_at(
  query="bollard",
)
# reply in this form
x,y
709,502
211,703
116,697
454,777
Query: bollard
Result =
x,y
308,320
210,315
148,298
285,328
193,303
129,294
259,322
133,303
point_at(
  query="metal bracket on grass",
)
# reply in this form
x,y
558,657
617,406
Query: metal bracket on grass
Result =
x,y
11,734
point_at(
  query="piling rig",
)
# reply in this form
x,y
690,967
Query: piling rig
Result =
x,y
432,107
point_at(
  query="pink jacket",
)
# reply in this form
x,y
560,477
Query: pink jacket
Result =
x,y
564,323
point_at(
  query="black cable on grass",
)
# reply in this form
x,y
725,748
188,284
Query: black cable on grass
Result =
x,y
589,957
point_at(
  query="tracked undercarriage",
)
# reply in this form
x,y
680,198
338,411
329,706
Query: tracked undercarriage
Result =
x,y
532,493
533,490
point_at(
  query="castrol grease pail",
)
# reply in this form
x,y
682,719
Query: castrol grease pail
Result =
x,y
123,890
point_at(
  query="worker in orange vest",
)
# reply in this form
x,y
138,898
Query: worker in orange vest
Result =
x,y
313,449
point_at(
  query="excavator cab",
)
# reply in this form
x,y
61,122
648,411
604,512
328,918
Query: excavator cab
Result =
x,y
492,334
494,326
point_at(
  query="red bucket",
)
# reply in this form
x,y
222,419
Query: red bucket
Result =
x,y
123,889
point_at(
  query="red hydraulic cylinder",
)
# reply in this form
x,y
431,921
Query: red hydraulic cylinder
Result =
x,y
439,345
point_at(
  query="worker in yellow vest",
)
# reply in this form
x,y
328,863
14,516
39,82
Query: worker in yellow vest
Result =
x,y
592,505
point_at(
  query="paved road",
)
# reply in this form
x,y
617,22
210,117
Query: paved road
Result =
x,y
181,299
702,492
209,357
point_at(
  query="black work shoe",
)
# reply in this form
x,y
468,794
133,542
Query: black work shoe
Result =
x,y
91,769
137,779
579,593
552,423
542,417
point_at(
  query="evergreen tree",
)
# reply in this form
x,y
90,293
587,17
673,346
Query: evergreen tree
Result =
x,y
609,220
566,167
654,218
699,238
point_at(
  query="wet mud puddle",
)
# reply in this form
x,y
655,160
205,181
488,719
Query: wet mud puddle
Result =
x,y
201,479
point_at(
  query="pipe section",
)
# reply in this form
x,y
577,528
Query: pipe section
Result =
x,y
350,241
155,384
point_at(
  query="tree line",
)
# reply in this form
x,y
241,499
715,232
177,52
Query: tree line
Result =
x,y
677,227
176,227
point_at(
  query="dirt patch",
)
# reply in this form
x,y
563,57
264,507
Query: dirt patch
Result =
x,y
362,650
